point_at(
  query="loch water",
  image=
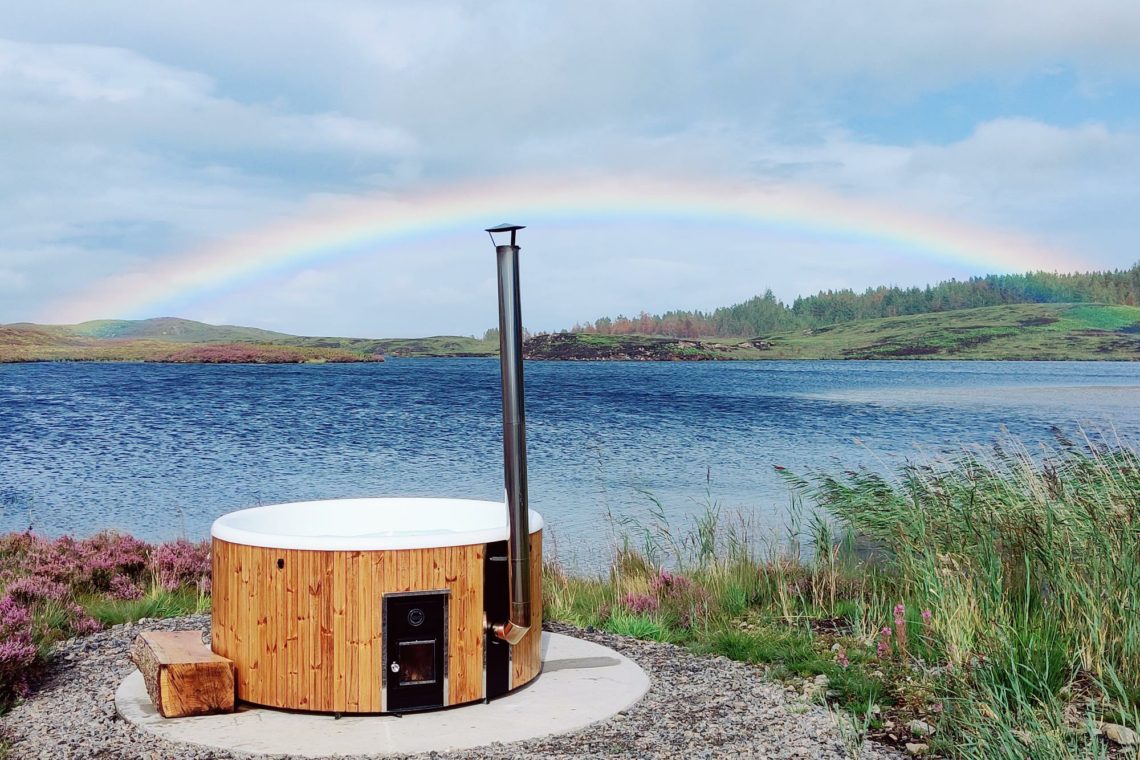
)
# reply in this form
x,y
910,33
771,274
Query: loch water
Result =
x,y
161,450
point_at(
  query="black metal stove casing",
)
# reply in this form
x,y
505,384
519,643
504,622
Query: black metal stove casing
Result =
x,y
496,606
415,650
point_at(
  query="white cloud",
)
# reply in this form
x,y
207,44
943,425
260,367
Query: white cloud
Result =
x,y
133,131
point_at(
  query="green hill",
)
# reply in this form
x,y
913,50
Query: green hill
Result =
x,y
766,313
173,330
438,345
1018,331
169,339
1021,331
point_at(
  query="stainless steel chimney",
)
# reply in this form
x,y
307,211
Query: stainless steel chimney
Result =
x,y
518,622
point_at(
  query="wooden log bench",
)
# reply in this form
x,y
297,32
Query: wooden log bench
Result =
x,y
182,676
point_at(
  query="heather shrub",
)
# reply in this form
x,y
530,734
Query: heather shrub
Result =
x,y
17,650
641,604
680,599
113,556
33,588
51,588
179,563
14,551
17,655
84,566
125,589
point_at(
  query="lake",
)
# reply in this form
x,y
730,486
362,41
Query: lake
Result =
x,y
161,450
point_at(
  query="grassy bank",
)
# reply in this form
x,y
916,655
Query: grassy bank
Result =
x,y
992,599
985,607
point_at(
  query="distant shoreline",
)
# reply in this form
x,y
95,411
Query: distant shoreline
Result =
x,y
1016,332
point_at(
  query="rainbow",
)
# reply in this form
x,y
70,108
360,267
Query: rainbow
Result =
x,y
321,237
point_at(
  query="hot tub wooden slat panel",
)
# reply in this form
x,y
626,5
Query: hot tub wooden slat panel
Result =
x,y
326,672
312,628
369,686
259,615
218,592
304,652
339,631
234,603
246,627
274,591
313,622
309,635
289,691
377,566
268,591
316,590
352,632
252,611
233,587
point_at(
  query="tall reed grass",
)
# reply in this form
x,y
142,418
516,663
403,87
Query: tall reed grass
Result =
x,y
994,595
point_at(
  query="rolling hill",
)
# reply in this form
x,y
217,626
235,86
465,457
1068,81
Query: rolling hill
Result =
x,y
1020,331
1017,331
169,339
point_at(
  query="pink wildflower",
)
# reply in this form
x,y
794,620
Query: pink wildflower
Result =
x,y
180,562
884,646
669,584
124,588
926,616
14,617
640,604
17,655
841,657
18,650
79,622
900,628
33,588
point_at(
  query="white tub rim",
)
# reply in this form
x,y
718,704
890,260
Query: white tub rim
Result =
x,y
479,524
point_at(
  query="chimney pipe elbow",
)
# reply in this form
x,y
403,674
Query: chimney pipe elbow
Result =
x,y
509,632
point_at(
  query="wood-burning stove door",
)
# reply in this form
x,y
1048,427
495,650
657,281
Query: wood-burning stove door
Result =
x,y
415,650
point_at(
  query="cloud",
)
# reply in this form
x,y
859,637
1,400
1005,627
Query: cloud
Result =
x,y
82,94
134,132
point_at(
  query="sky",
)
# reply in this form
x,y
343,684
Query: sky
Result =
x,y
256,163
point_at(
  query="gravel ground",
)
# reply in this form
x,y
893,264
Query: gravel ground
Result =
x,y
697,707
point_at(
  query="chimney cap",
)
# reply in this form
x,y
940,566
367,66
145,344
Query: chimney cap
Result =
x,y
505,227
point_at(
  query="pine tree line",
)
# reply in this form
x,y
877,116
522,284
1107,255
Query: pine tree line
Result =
x,y
766,314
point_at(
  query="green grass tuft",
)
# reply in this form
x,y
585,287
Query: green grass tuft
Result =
x,y
158,603
645,627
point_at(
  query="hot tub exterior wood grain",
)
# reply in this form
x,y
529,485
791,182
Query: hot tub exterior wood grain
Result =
x,y
304,629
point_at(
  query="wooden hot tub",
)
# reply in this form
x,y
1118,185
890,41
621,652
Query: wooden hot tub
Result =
x,y
370,605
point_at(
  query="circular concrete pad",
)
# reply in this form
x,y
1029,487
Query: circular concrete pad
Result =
x,y
581,683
